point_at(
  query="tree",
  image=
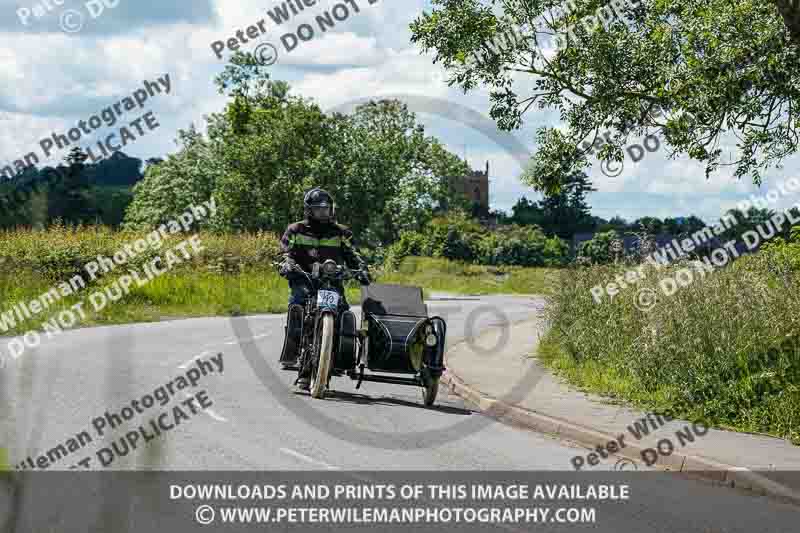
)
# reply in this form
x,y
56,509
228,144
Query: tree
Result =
x,y
268,147
168,188
749,221
118,170
698,73
388,176
651,225
692,225
561,213
527,213
617,224
70,199
672,226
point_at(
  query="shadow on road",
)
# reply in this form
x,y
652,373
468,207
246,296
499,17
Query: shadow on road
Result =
x,y
452,299
363,399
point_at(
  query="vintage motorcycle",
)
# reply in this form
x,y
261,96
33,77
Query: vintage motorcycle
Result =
x,y
395,335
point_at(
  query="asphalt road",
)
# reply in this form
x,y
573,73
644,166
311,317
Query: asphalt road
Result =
x,y
256,420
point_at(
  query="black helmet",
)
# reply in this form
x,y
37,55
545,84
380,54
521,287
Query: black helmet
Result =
x,y
318,206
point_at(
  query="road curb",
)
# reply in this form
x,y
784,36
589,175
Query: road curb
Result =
x,y
687,464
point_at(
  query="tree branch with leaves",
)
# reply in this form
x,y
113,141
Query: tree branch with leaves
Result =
x,y
702,74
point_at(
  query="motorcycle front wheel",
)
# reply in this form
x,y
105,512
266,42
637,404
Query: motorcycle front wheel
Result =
x,y
324,340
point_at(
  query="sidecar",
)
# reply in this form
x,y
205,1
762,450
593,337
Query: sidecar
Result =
x,y
397,342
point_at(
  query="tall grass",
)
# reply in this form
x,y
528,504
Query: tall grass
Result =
x,y
232,275
725,349
59,251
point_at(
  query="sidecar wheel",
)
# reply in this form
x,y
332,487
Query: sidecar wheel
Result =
x,y
430,391
319,380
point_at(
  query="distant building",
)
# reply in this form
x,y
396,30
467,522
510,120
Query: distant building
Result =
x,y
475,187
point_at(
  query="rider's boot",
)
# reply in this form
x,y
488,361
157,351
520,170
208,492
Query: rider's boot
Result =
x,y
304,376
304,384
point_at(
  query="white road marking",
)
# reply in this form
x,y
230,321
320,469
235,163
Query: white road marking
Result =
x,y
210,412
215,416
308,459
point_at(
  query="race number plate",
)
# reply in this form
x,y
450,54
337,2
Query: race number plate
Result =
x,y
327,299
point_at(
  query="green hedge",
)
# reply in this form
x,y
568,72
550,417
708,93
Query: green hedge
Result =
x,y
458,238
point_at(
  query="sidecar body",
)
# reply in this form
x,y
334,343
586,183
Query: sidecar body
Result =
x,y
398,342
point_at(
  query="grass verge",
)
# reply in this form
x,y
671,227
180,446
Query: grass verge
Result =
x,y
443,275
725,349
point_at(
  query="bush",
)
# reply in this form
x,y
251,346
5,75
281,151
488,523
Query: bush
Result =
x,y
556,252
513,245
598,250
784,257
458,238
725,349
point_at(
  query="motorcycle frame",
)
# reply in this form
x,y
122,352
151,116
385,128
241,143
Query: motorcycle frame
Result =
x,y
312,316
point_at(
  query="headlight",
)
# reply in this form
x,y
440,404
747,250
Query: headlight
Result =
x,y
329,267
430,340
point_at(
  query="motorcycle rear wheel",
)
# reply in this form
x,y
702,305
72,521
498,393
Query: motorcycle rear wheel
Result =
x,y
319,379
430,390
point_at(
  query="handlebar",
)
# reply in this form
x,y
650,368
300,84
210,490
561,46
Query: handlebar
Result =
x,y
343,272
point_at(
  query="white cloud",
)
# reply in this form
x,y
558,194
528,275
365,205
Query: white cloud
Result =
x,y
48,81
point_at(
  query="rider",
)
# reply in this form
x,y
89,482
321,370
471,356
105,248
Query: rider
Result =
x,y
317,238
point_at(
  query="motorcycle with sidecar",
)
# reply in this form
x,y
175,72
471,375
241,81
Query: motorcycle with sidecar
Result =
x,y
395,342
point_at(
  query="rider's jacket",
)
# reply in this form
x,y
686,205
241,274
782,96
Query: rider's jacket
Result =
x,y
308,243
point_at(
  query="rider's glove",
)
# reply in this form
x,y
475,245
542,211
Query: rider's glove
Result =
x,y
364,277
287,266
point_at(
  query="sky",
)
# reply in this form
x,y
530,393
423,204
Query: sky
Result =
x,y
62,61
